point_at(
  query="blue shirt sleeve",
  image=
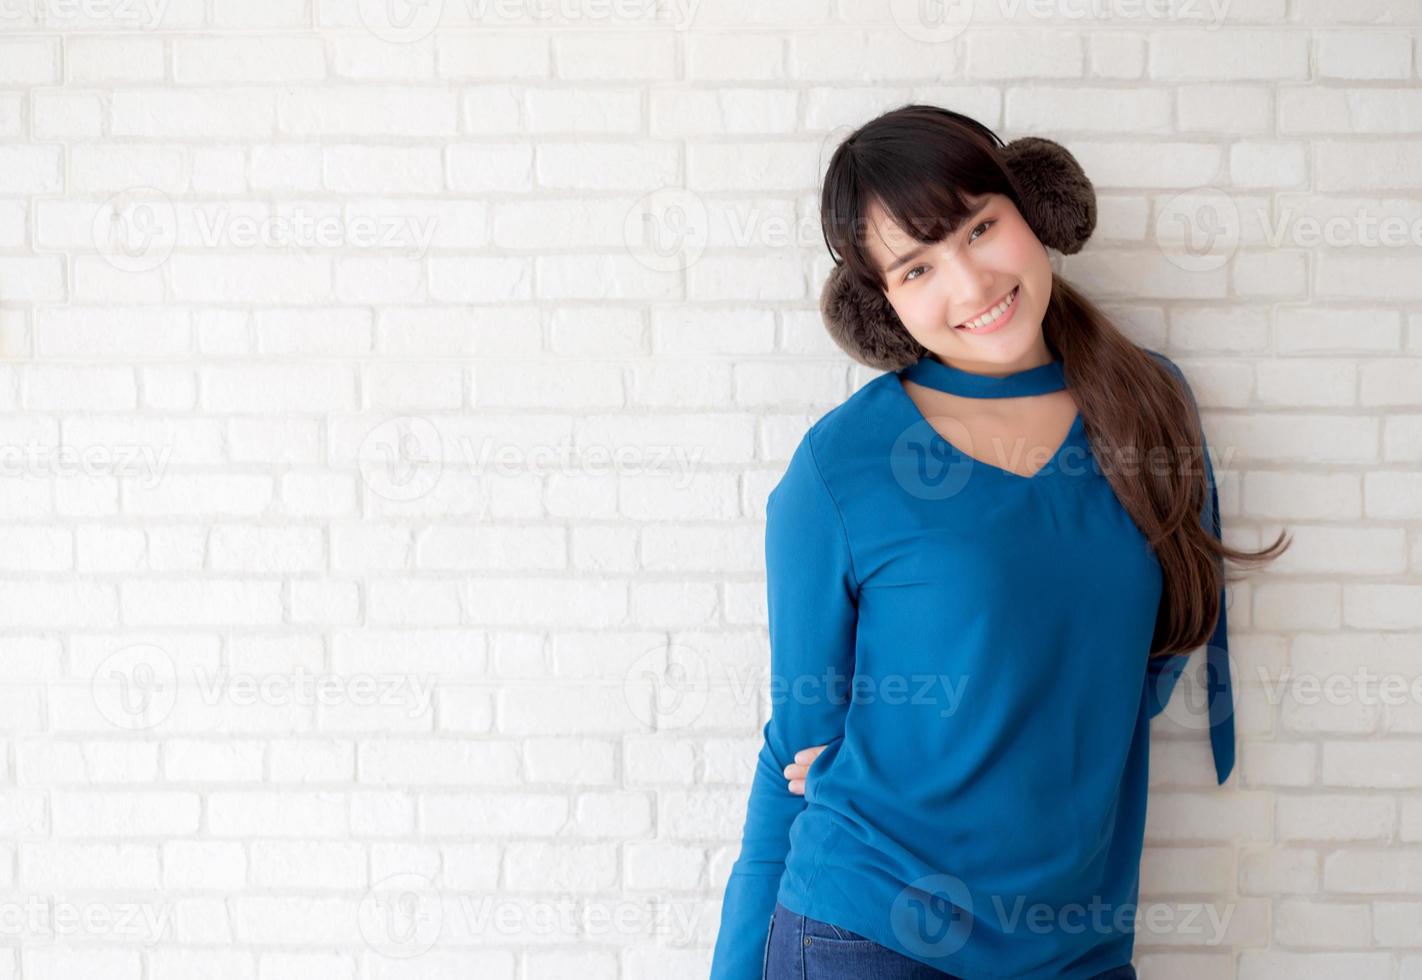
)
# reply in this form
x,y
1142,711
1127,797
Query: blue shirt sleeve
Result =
x,y
812,595
1163,672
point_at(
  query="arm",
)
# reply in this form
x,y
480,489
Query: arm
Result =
x,y
1163,672
812,594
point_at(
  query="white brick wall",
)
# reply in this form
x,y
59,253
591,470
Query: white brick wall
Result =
x,y
367,470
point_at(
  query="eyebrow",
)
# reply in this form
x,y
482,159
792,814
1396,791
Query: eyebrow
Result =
x,y
920,250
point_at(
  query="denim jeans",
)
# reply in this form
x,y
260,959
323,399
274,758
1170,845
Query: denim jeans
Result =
x,y
801,948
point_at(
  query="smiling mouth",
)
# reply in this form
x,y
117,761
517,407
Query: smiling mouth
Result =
x,y
988,316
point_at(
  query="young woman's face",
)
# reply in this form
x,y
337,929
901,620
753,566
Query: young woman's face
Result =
x,y
938,290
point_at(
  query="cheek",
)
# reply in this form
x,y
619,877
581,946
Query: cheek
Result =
x,y
1019,250
918,310
910,310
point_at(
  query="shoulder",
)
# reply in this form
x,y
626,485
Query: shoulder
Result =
x,y
1178,375
834,447
1169,365
844,429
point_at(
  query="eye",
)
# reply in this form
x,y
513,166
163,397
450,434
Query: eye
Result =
x,y
985,224
910,277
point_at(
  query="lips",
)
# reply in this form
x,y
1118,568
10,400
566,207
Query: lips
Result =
x,y
985,310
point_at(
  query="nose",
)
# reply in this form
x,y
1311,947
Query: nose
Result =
x,y
966,286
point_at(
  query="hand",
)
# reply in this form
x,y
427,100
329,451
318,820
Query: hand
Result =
x,y
797,770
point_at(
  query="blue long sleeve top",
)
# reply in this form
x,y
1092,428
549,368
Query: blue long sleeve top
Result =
x,y
970,645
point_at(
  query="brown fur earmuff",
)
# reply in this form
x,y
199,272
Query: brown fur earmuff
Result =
x,y
864,325
1057,202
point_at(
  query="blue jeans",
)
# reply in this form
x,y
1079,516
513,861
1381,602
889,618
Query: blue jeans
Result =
x,y
801,948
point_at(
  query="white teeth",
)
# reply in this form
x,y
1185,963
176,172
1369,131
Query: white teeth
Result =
x,y
991,315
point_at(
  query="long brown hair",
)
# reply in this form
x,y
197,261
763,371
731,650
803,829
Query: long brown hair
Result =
x,y
922,163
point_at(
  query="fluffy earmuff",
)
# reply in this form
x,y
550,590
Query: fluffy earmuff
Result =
x,y
1056,200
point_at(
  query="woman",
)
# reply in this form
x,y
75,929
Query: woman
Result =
x,y
975,635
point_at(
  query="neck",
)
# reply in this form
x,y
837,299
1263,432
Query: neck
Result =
x,y
1035,357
